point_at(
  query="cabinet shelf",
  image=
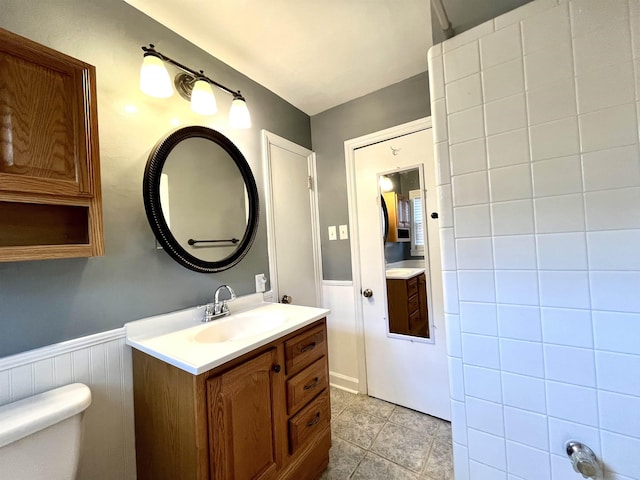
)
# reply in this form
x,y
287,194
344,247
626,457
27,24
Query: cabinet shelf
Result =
x,y
50,198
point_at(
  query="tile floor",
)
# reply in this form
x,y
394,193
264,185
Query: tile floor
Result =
x,y
376,440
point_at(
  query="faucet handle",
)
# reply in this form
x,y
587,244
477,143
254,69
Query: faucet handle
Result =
x,y
208,312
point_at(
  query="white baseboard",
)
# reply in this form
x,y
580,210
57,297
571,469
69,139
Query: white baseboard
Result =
x,y
343,382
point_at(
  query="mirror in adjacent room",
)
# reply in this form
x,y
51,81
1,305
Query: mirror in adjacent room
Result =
x,y
201,199
405,243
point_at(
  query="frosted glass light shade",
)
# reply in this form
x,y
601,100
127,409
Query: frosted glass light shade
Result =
x,y
202,99
154,78
386,185
239,116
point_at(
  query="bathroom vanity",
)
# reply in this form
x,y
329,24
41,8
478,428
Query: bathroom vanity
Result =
x,y
261,414
407,299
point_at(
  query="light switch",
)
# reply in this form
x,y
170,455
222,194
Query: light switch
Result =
x,y
344,233
332,233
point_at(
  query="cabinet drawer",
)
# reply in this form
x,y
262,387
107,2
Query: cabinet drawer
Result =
x,y
303,349
412,286
413,305
311,420
306,385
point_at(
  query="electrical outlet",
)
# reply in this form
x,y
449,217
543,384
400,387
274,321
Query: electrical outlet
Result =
x,y
261,281
344,233
332,233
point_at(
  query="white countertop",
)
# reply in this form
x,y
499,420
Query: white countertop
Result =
x,y
402,273
184,341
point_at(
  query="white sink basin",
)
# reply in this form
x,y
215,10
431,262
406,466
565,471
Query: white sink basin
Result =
x,y
403,273
184,341
239,326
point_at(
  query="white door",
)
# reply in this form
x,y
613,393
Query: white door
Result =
x,y
402,369
292,222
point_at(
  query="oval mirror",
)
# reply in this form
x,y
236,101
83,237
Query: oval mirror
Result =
x,y
201,199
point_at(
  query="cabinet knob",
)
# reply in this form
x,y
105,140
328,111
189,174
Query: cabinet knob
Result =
x,y
434,215
277,368
368,293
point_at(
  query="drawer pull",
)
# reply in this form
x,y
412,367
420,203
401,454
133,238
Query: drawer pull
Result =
x,y
312,384
314,421
311,346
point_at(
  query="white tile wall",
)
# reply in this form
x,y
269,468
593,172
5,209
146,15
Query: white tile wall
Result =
x,y
520,322
510,183
464,93
526,393
611,168
509,148
473,221
541,124
486,448
557,176
562,251
484,416
517,252
480,318
468,157
503,80
512,218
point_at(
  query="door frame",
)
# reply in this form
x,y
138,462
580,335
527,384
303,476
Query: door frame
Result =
x,y
350,146
271,139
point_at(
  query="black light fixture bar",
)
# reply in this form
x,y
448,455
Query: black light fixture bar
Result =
x,y
150,50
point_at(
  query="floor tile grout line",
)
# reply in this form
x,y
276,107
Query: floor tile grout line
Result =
x,y
435,437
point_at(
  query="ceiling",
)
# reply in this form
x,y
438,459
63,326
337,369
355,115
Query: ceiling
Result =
x,y
318,54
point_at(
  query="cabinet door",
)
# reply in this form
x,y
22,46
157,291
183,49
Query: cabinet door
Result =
x,y
48,120
241,433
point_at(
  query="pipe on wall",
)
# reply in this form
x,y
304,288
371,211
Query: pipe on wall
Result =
x,y
443,19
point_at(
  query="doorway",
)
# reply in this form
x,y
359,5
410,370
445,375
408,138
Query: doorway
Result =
x,y
295,266
404,356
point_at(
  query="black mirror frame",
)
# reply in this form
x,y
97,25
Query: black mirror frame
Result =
x,y
151,196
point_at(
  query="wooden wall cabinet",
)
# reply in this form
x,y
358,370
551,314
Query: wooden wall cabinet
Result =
x,y
50,198
398,210
265,415
407,302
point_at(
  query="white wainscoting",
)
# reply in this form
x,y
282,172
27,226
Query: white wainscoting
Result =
x,y
101,361
341,329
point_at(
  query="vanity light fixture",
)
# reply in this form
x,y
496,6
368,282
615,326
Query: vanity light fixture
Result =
x,y
386,185
193,86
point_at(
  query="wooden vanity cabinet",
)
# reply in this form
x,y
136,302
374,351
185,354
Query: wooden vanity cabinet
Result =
x,y
50,199
407,302
265,415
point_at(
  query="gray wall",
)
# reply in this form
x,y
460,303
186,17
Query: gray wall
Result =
x,y
394,105
44,302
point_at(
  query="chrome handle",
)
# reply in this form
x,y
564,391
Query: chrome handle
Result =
x,y
367,293
583,460
286,299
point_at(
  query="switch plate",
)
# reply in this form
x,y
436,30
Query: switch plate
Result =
x,y
344,233
332,233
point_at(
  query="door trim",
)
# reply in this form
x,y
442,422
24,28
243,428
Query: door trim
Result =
x,y
350,146
271,139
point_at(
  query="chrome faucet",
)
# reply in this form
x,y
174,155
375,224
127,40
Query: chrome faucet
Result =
x,y
219,308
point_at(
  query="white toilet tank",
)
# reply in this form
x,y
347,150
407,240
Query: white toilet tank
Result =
x,y
40,436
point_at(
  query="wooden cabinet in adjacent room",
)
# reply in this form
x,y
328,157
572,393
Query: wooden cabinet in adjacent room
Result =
x,y
50,198
399,216
407,302
265,415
